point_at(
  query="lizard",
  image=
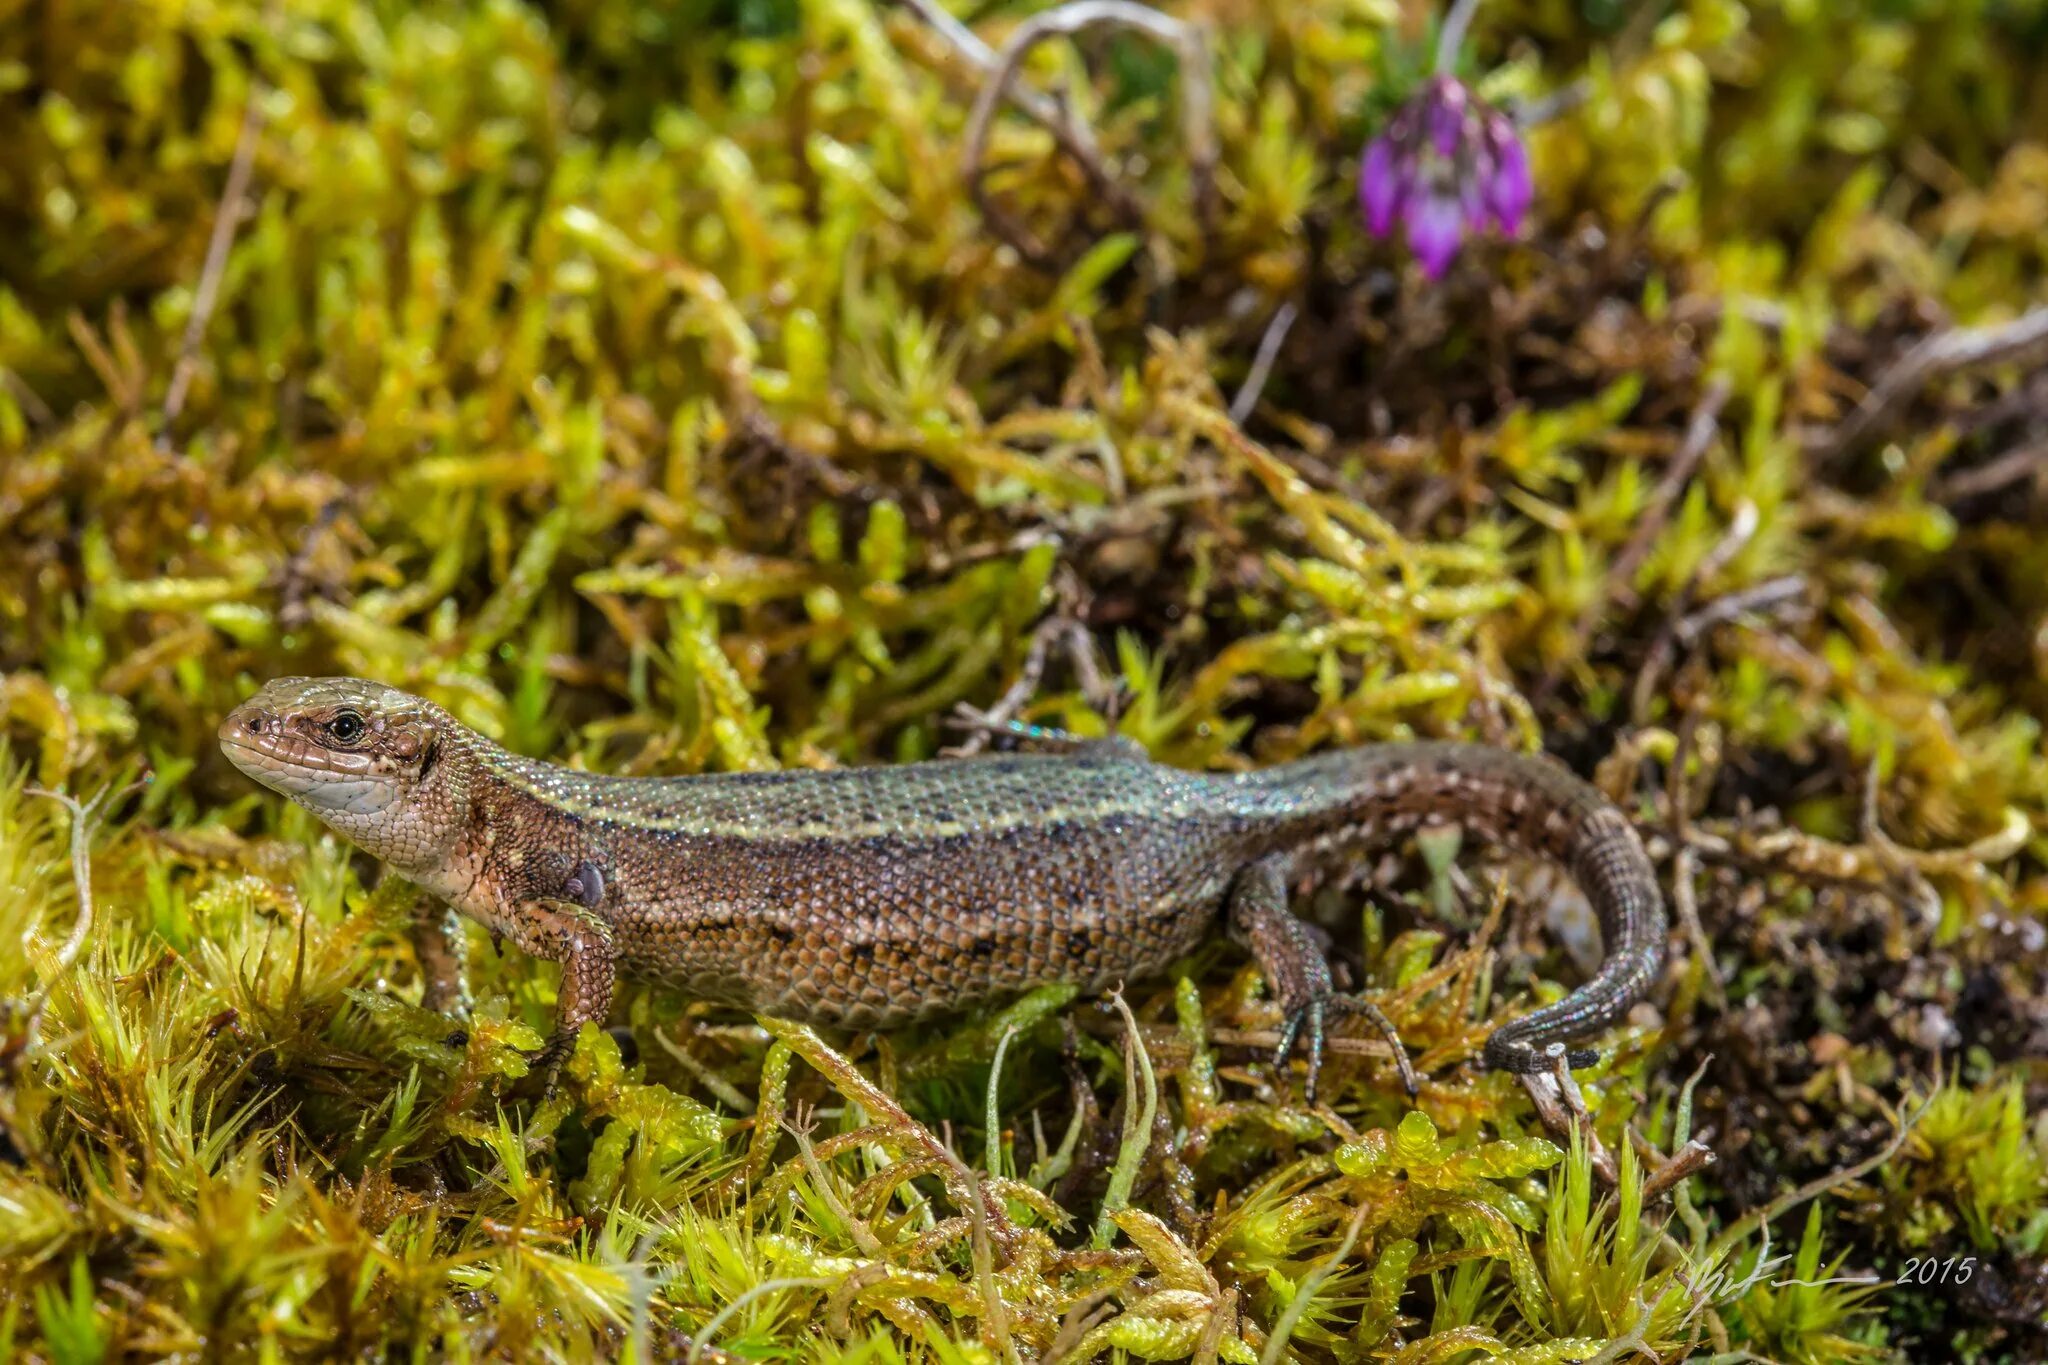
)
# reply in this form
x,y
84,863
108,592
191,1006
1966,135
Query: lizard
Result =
x,y
874,897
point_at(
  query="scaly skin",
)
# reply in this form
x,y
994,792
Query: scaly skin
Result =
x,y
873,897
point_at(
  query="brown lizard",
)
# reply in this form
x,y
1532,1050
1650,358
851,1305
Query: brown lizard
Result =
x,y
872,897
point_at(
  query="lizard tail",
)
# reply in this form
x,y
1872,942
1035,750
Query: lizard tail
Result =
x,y
1378,793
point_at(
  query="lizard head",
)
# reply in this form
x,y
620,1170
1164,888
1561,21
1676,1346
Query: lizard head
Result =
x,y
369,760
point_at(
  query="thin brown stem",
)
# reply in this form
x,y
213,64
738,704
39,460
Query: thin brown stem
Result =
x,y
1262,363
1685,899
1818,1186
1686,1162
1074,135
1562,1108
1618,586
85,820
1451,37
979,55
1700,429
1949,350
227,219
2029,461
1682,626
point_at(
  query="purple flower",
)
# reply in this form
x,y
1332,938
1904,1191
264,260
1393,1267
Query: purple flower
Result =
x,y
1446,165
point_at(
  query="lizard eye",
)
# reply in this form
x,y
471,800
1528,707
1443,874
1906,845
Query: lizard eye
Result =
x,y
347,727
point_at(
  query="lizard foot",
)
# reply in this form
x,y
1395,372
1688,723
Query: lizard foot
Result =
x,y
1313,1014
544,1066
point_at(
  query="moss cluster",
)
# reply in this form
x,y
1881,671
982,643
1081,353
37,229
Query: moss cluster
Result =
x,y
646,383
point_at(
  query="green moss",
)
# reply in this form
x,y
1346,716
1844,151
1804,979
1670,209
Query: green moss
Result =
x,y
643,382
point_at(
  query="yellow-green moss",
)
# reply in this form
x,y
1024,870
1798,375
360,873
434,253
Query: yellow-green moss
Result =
x,y
642,382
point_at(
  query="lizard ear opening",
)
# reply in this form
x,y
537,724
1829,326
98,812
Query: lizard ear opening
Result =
x,y
427,757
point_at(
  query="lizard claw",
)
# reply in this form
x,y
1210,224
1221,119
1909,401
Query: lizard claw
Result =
x,y
1310,1014
1314,1014
544,1064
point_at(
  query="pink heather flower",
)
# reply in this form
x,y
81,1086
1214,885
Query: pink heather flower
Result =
x,y
1446,165
1379,189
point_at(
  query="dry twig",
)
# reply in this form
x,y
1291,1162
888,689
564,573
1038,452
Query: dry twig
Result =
x,y
85,819
2029,461
1699,436
1687,1161
1820,1185
1618,586
227,218
1053,114
1949,350
1262,363
1073,134
1563,1110
1683,625
1096,686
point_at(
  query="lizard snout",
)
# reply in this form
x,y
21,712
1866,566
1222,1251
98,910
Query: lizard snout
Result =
x,y
250,739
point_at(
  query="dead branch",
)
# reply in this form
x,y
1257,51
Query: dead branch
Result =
x,y
227,219
1073,134
1618,586
2029,461
1262,363
1562,1108
1052,114
85,821
1949,350
1687,1161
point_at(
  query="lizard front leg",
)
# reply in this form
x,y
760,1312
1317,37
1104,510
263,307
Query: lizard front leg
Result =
x,y
441,949
1297,973
581,940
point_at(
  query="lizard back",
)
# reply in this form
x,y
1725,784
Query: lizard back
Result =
x,y
875,896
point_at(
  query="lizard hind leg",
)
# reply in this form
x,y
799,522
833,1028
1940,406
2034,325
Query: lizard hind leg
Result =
x,y
1298,974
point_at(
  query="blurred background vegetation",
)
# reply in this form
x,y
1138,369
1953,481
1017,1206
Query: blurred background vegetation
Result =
x,y
646,383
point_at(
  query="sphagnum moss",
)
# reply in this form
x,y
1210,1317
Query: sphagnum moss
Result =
x,y
645,385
